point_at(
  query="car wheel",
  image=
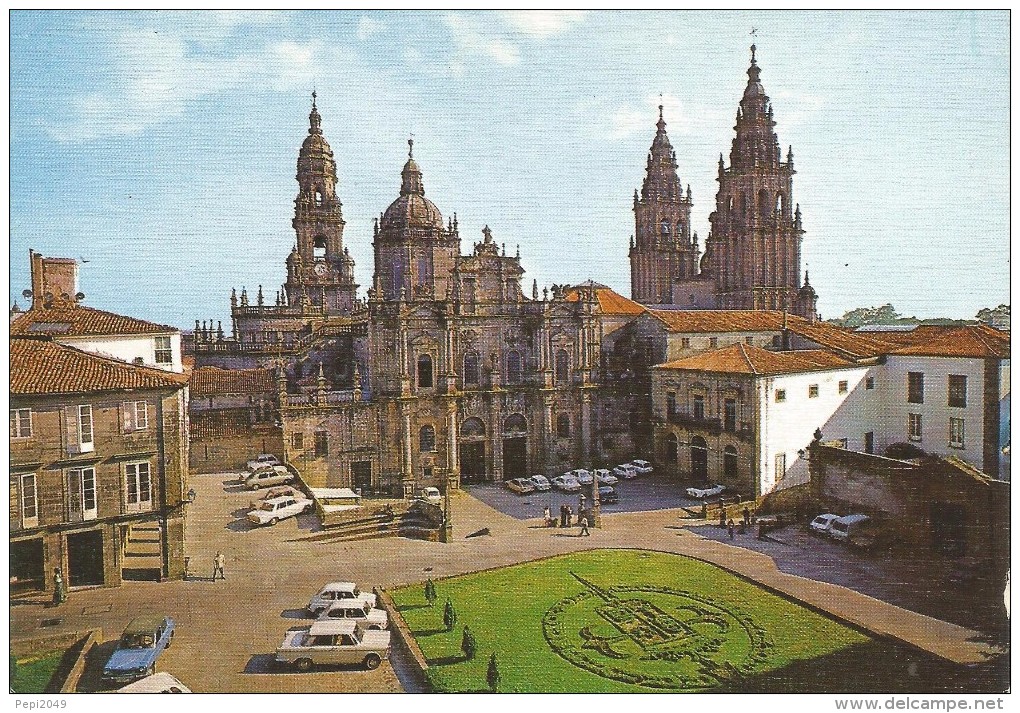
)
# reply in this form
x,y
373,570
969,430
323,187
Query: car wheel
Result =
x,y
372,661
274,521
303,664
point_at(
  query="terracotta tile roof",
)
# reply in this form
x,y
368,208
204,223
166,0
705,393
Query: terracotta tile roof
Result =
x,y
722,320
45,367
748,359
977,341
610,301
843,341
77,320
210,381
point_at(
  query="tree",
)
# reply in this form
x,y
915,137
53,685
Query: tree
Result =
x,y
997,317
449,616
492,675
468,644
430,593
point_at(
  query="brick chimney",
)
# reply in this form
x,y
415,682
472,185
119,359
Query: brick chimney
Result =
x,y
54,279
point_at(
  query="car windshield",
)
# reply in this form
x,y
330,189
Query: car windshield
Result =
x,y
138,641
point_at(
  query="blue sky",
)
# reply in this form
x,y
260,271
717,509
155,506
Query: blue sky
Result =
x,y
161,147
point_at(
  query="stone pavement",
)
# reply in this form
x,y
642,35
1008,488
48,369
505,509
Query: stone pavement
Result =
x,y
227,631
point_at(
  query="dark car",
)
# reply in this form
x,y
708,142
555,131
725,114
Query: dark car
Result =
x,y
608,494
140,645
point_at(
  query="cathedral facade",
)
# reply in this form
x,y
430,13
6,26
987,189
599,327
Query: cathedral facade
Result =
x,y
752,254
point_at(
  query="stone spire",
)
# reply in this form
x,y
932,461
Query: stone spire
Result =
x,y
411,181
314,120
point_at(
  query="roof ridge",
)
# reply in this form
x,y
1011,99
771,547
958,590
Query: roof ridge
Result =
x,y
747,358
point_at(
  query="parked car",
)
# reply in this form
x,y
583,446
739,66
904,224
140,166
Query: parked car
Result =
x,y
277,492
706,493
849,526
338,591
156,683
642,466
566,483
268,476
358,611
263,459
541,483
605,477
333,642
272,511
140,645
608,494
521,486
431,495
582,476
822,523
625,471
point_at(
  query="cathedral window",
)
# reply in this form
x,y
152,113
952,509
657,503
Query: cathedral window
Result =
x,y
319,247
472,428
665,227
780,204
763,202
562,366
425,372
318,197
514,367
471,370
563,426
427,439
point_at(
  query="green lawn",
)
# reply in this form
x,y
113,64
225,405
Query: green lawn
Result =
x,y
627,620
34,673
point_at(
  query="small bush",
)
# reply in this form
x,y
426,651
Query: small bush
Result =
x,y
449,616
468,644
430,593
492,675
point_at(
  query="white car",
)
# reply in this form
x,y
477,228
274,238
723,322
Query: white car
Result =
x,y
521,486
823,522
582,476
642,466
263,459
277,492
541,483
268,476
605,477
360,612
338,591
273,510
705,493
431,495
566,483
156,683
333,642
625,471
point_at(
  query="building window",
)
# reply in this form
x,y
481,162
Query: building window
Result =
x,y
780,395
685,342
425,372
297,441
471,370
514,367
699,407
164,352
21,423
321,444
812,391
427,439
713,342
671,403
780,466
672,448
914,426
869,383
844,386
29,501
563,426
957,391
85,428
915,387
426,472
730,414
749,340
730,462
869,442
956,432
141,415
138,480
562,366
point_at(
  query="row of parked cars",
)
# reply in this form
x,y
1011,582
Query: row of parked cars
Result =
x,y
573,480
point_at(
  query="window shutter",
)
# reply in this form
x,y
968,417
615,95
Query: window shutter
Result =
x,y
128,411
71,419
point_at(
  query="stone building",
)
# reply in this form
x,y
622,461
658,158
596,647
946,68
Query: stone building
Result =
x,y
752,254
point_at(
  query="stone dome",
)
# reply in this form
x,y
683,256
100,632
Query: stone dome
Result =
x,y
412,209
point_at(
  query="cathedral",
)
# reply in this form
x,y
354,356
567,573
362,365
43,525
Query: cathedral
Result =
x,y
751,259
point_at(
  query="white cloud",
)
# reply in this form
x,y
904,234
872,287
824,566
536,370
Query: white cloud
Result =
x,y
368,26
473,37
627,120
795,108
542,23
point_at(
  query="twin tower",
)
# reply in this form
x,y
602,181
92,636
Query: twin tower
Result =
x,y
752,254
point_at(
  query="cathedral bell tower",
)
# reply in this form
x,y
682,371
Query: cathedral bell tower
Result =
x,y
662,250
319,268
753,250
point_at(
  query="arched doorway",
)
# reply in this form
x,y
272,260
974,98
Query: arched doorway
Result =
x,y
472,451
699,459
515,447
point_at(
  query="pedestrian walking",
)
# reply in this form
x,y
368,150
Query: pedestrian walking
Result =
x,y
218,562
729,526
59,588
563,515
584,528
570,516
747,517
547,516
